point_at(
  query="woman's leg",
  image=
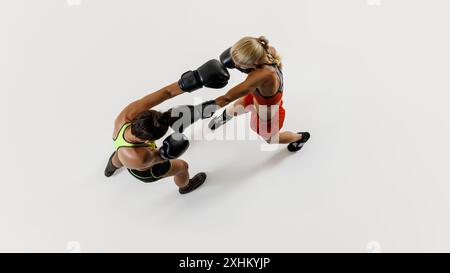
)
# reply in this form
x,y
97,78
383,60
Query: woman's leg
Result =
x,y
288,137
283,138
116,161
295,141
113,165
179,171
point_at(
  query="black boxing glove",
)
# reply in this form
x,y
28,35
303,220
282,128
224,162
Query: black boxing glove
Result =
x,y
227,61
174,146
184,115
211,74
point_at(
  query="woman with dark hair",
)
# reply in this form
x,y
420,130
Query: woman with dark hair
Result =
x,y
138,126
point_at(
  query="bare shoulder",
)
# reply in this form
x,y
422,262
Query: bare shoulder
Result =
x,y
129,156
120,120
260,72
257,77
268,80
264,73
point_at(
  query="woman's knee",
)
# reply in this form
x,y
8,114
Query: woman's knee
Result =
x,y
184,165
181,165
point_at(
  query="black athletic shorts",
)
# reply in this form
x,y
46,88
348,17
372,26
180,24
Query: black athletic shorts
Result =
x,y
153,174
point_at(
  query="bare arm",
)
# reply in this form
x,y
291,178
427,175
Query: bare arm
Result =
x,y
249,85
151,100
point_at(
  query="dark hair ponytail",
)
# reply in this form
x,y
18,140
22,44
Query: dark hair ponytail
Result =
x,y
150,125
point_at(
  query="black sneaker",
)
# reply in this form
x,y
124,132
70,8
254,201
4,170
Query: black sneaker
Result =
x,y
194,183
297,145
110,168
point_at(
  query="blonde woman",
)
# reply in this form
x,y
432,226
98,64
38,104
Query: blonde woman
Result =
x,y
260,93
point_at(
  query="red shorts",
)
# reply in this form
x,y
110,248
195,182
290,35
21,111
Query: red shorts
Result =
x,y
265,128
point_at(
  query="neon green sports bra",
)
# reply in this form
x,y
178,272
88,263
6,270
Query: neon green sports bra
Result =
x,y
120,141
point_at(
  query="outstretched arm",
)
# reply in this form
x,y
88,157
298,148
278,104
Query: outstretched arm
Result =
x,y
249,85
211,74
151,100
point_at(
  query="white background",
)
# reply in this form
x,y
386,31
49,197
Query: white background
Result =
x,y
368,78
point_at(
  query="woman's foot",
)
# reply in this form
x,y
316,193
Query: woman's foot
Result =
x,y
110,168
297,145
194,183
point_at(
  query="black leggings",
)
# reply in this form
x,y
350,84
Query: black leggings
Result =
x,y
153,174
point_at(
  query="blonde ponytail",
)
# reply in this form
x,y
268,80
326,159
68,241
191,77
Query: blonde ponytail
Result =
x,y
272,56
255,51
